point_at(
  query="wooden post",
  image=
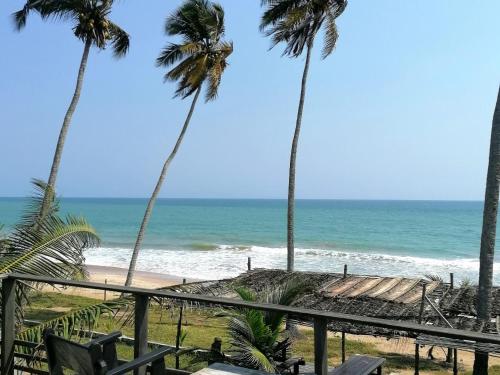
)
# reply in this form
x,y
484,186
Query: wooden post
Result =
x,y
417,359
141,329
105,282
249,263
343,347
320,346
449,354
179,332
345,271
8,325
420,317
455,362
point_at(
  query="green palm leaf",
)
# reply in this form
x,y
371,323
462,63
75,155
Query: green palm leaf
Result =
x,y
297,22
202,55
48,246
90,19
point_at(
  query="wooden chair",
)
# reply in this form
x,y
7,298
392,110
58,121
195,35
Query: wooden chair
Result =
x,y
98,357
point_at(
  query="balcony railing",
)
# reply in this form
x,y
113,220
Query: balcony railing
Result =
x,y
319,319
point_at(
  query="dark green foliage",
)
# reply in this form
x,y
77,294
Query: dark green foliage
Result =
x,y
257,337
202,53
89,17
297,22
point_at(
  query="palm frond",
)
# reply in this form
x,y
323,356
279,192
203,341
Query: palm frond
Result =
x,y
434,277
31,212
201,55
297,22
89,18
54,249
120,40
66,325
331,35
48,246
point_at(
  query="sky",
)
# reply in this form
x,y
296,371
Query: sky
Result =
x,y
401,110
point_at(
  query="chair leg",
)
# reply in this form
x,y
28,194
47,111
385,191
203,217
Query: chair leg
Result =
x,y
109,355
158,367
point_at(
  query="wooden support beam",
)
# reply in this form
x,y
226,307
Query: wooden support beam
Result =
x,y
141,329
455,361
320,346
8,325
417,359
345,271
343,347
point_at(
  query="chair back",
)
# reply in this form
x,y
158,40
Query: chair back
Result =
x,y
80,359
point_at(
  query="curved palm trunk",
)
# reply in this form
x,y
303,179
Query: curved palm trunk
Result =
x,y
51,182
291,171
156,191
488,234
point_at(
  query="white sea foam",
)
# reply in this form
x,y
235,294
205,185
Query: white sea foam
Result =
x,y
231,260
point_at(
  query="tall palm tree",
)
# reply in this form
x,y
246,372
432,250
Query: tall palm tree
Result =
x,y
92,26
202,58
296,23
488,235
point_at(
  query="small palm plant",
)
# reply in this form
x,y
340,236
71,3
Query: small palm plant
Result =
x,y
53,249
92,26
257,337
202,57
296,23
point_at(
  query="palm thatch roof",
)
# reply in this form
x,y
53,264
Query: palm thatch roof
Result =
x,y
396,298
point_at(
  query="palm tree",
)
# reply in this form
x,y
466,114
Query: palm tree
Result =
x,y
296,23
256,340
488,235
202,55
92,26
54,249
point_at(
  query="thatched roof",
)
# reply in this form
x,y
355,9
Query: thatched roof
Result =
x,y
394,298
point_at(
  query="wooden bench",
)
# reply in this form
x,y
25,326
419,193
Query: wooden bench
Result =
x,y
360,365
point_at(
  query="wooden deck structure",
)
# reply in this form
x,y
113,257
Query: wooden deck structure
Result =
x,y
321,319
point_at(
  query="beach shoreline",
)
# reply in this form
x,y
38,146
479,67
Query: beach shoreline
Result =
x,y
117,276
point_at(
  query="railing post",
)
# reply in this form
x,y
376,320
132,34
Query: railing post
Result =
x,y
8,325
320,346
141,329
343,347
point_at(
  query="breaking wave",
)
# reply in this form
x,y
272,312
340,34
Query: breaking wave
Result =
x,y
209,261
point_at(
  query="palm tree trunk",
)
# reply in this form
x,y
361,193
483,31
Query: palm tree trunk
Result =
x,y
156,191
49,191
488,235
291,171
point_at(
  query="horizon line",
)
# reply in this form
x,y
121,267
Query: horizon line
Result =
x,y
269,199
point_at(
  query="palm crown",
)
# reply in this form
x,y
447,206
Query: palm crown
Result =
x,y
296,23
90,19
202,52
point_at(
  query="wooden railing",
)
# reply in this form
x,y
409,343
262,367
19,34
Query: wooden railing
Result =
x,y
320,319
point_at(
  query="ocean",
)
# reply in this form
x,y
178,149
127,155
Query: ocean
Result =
x,y
212,238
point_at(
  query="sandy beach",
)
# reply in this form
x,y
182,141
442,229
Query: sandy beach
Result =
x,y
117,276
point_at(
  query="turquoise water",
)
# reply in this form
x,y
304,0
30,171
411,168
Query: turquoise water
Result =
x,y
213,238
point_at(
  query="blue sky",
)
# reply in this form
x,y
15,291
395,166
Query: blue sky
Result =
x,y
401,110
